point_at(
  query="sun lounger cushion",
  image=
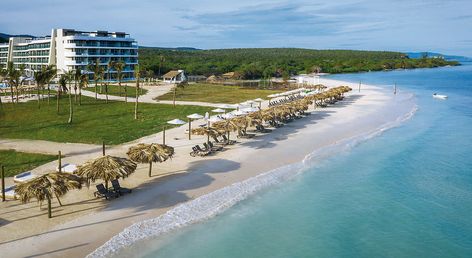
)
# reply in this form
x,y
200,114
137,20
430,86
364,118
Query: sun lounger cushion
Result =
x,y
68,168
10,192
23,177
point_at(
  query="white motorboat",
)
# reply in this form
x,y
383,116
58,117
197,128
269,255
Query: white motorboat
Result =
x,y
439,96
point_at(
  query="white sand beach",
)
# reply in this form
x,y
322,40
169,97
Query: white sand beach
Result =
x,y
85,223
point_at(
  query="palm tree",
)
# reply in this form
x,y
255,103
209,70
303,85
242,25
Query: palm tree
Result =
x,y
11,74
110,66
106,168
119,67
43,77
40,78
97,74
62,85
14,78
3,76
48,186
77,76
137,76
70,77
83,83
149,153
180,85
51,72
162,59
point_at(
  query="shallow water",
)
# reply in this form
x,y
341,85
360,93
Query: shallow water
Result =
x,y
405,193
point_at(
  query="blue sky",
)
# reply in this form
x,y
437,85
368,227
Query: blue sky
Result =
x,y
399,25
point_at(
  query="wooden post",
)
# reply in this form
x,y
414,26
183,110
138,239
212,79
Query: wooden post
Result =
x,y
208,133
3,183
60,162
103,148
164,136
49,208
150,168
189,128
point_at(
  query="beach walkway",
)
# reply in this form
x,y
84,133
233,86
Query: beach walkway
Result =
x,y
45,147
152,92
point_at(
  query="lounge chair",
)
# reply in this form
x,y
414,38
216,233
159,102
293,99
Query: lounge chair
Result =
x,y
262,129
117,188
68,168
102,192
194,152
245,135
228,141
205,151
213,147
23,177
275,124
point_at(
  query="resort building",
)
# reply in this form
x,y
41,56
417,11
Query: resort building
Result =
x,y
71,50
175,76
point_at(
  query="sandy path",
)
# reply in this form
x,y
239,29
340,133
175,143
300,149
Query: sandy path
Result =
x,y
47,147
153,92
25,231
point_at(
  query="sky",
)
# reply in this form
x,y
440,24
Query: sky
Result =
x,y
397,25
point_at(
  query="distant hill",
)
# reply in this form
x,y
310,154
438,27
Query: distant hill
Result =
x,y
172,48
255,63
433,54
4,37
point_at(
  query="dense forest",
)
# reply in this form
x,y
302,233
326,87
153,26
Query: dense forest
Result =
x,y
258,63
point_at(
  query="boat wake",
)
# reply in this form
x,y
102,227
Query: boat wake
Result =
x,y
214,203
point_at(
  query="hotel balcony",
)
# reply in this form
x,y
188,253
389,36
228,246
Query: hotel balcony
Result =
x,y
74,45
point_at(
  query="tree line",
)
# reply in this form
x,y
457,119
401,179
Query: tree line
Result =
x,y
257,63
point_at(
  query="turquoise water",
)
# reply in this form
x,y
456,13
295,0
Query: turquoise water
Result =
x,y
405,193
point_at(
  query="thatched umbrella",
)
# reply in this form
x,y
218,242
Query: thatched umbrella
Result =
x,y
149,153
210,132
225,126
47,186
106,168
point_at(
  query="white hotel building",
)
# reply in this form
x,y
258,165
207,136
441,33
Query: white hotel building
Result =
x,y
70,50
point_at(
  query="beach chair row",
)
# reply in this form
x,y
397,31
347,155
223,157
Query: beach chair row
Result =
x,y
285,100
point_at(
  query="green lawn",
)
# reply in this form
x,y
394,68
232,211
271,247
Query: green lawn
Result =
x,y
217,93
17,162
44,91
115,90
94,121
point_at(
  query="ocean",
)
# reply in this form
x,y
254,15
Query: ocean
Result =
x,y
404,193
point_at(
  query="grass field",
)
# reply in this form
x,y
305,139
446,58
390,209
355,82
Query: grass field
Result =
x,y
214,93
93,122
17,162
114,90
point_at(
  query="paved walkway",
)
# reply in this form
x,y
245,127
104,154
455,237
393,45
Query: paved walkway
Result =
x,y
153,92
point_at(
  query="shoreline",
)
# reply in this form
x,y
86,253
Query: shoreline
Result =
x,y
358,113
211,205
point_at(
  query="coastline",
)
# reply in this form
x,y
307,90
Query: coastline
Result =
x,y
360,113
